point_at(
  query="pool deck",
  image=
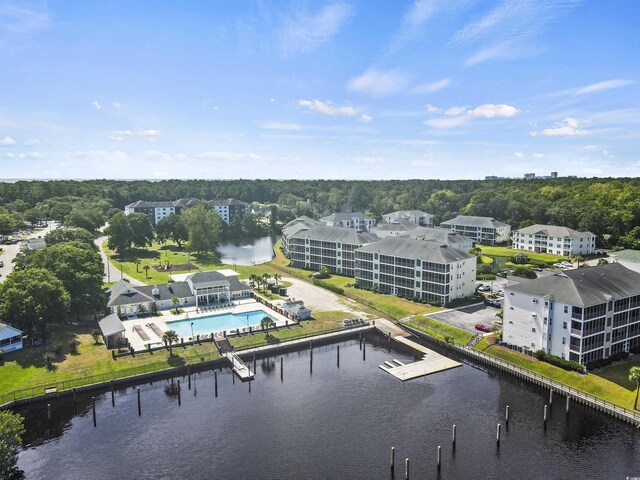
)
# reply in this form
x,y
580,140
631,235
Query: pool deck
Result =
x,y
135,325
432,362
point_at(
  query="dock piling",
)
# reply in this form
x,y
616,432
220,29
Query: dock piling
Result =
x,y
551,397
113,395
189,375
139,404
364,350
179,397
393,458
281,369
498,435
49,411
406,469
338,356
545,415
506,415
453,437
311,360
215,382
440,455
567,406
93,407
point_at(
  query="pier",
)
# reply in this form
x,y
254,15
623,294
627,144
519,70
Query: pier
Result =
x,y
239,367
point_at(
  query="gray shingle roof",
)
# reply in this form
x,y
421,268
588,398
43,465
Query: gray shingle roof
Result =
x,y
167,291
472,221
4,325
340,216
585,286
123,293
236,285
299,224
627,255
396,226
111,325
554,231
334,234
401,213
213,277
446,237
410,248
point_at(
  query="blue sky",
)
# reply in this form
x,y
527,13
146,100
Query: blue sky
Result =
x,y
373,89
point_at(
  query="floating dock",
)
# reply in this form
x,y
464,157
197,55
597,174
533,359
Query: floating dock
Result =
x,y
432,362
239,367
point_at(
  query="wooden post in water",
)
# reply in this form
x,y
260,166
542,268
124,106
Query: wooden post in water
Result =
x,y
506,415
498,435
567,406
189,375
389,344
551,397
215,382
113,395
440,455
364,350
338,356
393,458
311,360
254,361
249,386
360,339
406,469
282,369
93,403
453,438
139,404
179,397
545,415
49,411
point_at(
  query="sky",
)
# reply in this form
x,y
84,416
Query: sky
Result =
x,y
373,89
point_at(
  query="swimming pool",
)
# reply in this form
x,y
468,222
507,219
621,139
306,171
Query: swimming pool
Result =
x,y
218,323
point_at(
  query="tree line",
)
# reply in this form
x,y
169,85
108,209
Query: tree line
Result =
x,y
604,206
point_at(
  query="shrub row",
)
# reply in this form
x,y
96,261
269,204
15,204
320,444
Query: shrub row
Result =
x,y
603,362
560,362
328,286
486,276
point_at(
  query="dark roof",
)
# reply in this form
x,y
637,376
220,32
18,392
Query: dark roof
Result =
x,y
336,234
584,287
167,291
554,231
410,248
123,293
445,237
340,216
400,225
207,277
183,202
236,285
110,325
299,224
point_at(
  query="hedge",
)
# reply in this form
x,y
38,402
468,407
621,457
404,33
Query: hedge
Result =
x,y
328,286
560,362
486,276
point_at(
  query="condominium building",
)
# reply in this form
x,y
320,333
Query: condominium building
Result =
x,y
485,230
416,268
355,220
297,225
328,247
443,237
156,211
397,228
555,240
583,315
417,217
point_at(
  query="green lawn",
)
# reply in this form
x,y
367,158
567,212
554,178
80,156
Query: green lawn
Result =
x,y
25,368
438,329
619,372
494,251
590,383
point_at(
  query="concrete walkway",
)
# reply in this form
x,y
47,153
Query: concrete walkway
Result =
x,y
111,272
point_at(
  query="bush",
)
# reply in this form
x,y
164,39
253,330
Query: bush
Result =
x,y
58,349
49,359
484,269
524,272
328,286
486,276
560,362
73,345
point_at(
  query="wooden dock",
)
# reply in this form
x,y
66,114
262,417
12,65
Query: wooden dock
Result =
x,y
432,362
239,367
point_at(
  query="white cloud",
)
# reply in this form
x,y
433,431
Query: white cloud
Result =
x,y
116,105
147,135
228,156
328,108
306,32
31,156
569,127
432,87
100,155
431,109
457,116
518,155
22,20
281,126
537,155
7,142
32,142
95,104
602,86
379,83
365,118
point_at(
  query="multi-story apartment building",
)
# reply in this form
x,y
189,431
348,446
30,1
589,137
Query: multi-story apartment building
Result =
x,y
297,225
356,220
416,268
583,315
397,228
486,230
329,247
156,211
555,240
417,217
443,237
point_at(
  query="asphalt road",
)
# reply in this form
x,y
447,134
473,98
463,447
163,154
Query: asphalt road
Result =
x,y
467,317
10,251
111,272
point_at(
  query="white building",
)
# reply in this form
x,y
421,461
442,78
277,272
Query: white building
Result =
x,y
417,217
416,268
485,230
397,228
443,237
10,338
583,315
554,240
299,224
156,211
354,220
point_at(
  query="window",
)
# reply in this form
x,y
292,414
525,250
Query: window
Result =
x,y
564,340
566,309
533,329
564,325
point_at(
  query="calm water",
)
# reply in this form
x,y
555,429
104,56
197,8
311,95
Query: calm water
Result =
x,y
218,323
331,423
247,251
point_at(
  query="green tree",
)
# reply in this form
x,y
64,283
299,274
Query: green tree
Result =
x,y
172,228
634,376
265,282
120,234
266,323
169,338
175,301
84,216
146,271
235,227
11,432
143,233
33,299
204,227
277,277
360,197
68,234
8,224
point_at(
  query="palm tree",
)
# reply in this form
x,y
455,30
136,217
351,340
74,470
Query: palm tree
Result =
x,y
169,338
175,301
276,277
146,271
634,375
266,323
578,259
258,282
253,278
265,277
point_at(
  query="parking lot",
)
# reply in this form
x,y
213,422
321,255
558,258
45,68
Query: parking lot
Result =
x,y
467,317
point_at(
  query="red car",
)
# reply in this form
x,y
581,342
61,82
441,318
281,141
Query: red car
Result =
x,y
482,328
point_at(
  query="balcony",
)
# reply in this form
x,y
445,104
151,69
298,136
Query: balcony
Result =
x,y
575,331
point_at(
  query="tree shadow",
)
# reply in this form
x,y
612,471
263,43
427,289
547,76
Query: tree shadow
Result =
x,y
176,361
271,339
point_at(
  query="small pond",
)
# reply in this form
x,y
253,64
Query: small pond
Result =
x,y
247,251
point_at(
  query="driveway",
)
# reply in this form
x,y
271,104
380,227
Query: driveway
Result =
x,y
317,298
111,272
10,251
467,317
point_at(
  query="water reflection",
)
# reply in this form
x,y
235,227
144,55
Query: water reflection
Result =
x,y
247,251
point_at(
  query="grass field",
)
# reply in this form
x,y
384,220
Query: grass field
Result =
x,y
438,329
494,251
619,372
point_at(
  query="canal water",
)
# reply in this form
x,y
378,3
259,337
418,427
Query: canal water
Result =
x,y
328,422
249,251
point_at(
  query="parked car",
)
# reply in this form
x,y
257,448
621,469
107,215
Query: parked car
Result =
x,y
539,269
501,274
493,303
1,264
484,288
482,328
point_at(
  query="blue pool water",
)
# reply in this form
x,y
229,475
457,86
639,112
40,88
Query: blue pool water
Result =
x,y
218,323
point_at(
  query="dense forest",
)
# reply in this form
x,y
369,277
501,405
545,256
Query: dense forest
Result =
x,y
609,207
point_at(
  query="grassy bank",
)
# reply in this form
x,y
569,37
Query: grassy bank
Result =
x,y
439,330
494,251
